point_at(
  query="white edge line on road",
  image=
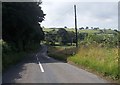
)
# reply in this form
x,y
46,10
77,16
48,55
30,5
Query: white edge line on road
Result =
x,y
40,65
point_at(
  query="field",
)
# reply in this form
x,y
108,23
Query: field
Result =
x,y
80,31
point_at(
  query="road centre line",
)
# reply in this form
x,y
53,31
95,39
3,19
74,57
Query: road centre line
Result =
x,y
40,65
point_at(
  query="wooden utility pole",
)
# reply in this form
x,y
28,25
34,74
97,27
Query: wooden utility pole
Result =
x,y
76,26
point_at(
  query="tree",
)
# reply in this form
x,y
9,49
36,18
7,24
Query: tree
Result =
x,y
96,28
65,26
64,35
81,28
21,23
87,27
91,27
72,38
51,37
116,30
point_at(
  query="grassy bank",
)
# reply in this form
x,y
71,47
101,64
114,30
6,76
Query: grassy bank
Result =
x,y
100,59
62,52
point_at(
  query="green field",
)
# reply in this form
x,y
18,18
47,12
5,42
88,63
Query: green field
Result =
x,y
80,31
84,31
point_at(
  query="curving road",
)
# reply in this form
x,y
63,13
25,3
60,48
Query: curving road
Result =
x,y
39,68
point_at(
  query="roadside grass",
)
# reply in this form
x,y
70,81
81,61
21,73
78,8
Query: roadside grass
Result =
x,y
11,57
99,59
61,52
102,60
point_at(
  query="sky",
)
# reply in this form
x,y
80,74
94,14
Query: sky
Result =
x,y
91,14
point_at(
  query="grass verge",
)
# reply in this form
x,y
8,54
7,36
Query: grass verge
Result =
x,y
61,52
99,59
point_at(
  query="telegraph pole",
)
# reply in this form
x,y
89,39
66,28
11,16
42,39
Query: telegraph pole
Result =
x,y
76,26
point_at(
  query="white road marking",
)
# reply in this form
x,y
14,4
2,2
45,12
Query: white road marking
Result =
x,y
40,65
47,57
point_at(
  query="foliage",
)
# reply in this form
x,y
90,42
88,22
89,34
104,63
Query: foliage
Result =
x,y
106,40
63,51
60,35
11,57
21,23
63,36
21,29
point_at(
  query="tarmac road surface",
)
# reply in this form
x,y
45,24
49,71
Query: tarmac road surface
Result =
x,y
40,68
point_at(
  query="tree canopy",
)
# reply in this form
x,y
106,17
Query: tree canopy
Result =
x,y
21,23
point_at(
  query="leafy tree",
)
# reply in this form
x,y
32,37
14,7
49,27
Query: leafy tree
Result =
x,y
82,36
96,28
71,37
65,26
64,35
87,27
81,28
21,23
51,37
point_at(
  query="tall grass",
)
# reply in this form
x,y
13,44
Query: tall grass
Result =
x,y
100,59
61,52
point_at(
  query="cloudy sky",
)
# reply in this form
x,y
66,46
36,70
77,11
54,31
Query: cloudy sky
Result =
x,y
91,14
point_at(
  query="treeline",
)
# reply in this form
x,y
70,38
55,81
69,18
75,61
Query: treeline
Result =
x,y
61,36
21,30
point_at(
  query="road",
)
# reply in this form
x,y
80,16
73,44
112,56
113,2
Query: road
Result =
x,y
39,68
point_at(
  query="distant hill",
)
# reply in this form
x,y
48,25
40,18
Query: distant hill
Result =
x,y
106,31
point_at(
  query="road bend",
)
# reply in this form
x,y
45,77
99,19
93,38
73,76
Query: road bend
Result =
x,y
40,68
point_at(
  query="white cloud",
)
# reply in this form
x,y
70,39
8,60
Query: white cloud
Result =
x,y
60,14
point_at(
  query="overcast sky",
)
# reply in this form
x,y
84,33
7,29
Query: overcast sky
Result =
x,y
91,14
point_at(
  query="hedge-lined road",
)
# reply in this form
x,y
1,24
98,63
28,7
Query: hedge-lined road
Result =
x,y
39,68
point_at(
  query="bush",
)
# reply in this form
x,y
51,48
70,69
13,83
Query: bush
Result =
x,y
107,40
